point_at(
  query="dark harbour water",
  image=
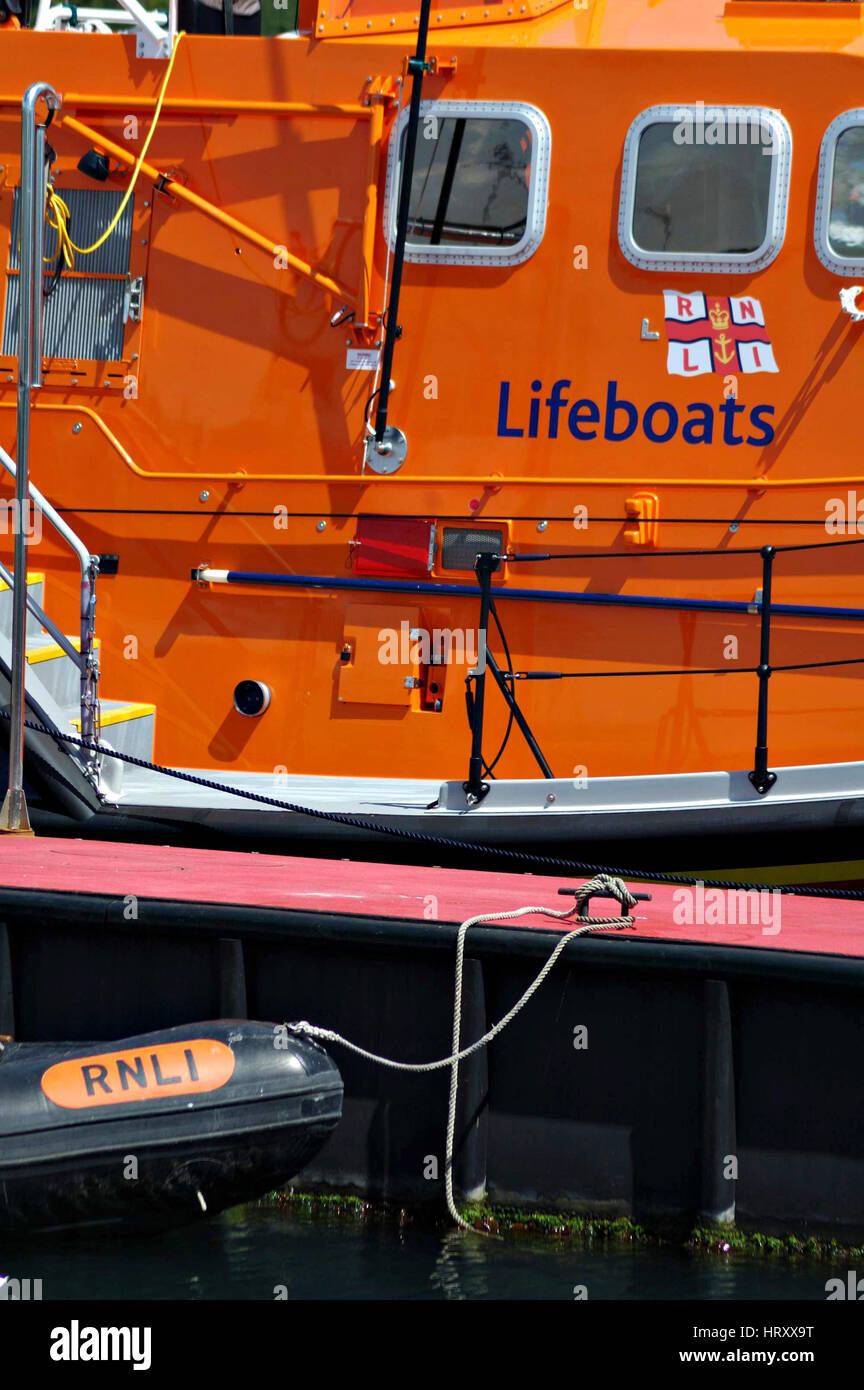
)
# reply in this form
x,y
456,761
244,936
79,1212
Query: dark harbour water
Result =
x,y
250,1252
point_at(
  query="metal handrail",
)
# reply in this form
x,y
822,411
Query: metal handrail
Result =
x,y
761,777
34,172
154,28
494,482
13,816
88,662
43,619
60,526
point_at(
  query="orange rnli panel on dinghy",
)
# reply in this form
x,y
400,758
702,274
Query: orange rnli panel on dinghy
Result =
x,y
112,1078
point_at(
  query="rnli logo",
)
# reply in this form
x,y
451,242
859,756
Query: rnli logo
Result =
x,y
113,1078
713,333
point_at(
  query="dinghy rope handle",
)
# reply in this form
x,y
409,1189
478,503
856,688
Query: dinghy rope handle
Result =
x,y
602,885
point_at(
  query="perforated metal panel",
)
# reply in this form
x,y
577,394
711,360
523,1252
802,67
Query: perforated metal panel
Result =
x,y
461,546
90,211
84,312
83,318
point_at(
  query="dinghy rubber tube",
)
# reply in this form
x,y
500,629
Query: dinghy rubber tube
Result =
x,y
131,1132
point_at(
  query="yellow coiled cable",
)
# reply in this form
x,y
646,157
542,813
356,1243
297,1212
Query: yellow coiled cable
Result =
x,y
57,212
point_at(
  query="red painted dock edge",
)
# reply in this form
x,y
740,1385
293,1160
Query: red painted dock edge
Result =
x,y
822,925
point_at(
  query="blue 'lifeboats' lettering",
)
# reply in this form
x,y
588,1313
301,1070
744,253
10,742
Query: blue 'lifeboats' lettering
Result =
x,y
621,418
503,406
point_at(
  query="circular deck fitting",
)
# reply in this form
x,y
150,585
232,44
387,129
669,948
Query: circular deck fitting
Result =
x,y
251,698
389,456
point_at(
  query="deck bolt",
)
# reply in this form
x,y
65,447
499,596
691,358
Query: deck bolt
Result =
x,y
321,526
10,377
550,798
733,526
203,496
541,525
76,428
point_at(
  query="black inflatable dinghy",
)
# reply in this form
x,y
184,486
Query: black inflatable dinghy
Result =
x,y
161,1128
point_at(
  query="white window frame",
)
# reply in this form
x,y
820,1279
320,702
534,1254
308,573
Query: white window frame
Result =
x,y
538,187
778,194
840,265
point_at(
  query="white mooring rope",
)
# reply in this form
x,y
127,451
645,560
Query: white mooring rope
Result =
x,y
601,885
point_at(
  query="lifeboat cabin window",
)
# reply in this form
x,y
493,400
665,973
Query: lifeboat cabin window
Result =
x,y
704,188
840,196
481,174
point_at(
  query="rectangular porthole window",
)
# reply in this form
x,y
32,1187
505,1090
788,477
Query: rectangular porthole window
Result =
x,y
479,189
704,188
839,234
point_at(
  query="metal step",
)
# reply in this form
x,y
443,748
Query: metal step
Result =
x,y
54,681
57,671
36,590
127,726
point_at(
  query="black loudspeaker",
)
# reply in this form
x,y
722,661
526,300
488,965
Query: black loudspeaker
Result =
x,y
94,165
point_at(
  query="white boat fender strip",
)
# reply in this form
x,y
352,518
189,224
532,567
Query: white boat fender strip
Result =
x,y
602,885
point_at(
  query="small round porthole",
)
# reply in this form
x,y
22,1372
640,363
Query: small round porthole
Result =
x,y
251,698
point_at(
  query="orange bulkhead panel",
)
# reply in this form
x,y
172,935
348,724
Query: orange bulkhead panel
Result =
x,y
370,17
376,655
